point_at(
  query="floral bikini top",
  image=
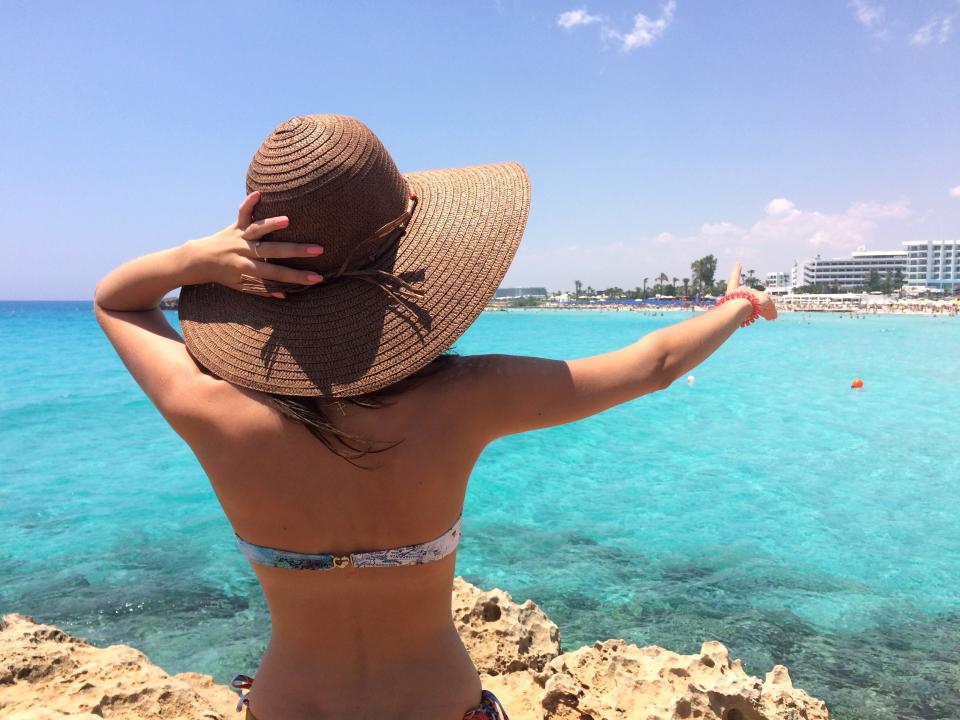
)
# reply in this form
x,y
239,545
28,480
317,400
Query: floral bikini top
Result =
x,y
429,551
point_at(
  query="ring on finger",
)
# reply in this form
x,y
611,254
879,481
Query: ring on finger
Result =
x,y
256,249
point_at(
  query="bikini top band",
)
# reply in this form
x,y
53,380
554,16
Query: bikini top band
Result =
x,y
429,551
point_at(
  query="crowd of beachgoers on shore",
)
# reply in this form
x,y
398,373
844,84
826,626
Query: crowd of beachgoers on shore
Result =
x,y
788,304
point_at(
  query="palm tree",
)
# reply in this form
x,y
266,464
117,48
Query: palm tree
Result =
x,y
675,281
645,281
579,286
662,279
686,286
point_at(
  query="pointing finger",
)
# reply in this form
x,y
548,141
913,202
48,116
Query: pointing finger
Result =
x,y
733,282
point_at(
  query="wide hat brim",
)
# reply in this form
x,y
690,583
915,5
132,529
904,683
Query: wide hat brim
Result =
x,y
349,337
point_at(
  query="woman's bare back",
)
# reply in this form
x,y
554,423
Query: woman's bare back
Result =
x,y
350,642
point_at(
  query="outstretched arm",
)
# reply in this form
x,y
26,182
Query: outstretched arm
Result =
x,y
513,394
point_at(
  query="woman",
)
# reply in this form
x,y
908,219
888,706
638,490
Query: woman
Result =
x,y
314,386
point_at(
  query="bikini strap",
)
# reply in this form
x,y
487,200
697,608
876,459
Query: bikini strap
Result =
x,y
496,704
241,683
489,708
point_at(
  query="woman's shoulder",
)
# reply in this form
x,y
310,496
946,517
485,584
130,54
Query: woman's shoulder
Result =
x,y
217,407
492,386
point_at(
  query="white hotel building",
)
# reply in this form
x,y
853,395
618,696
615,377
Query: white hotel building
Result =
x,y
927,264
853,271
933,264
778,280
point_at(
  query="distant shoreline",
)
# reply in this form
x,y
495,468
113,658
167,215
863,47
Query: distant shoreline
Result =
x,y
652,310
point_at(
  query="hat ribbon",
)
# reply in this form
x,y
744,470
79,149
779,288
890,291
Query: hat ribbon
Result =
x,y
375,247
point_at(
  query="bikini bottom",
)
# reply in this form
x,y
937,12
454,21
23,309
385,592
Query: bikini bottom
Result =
x,y
488,709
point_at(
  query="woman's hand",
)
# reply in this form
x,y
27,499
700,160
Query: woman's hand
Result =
x,y
236,256
768,311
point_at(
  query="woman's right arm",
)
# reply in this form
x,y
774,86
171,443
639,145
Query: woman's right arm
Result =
x,y
511,394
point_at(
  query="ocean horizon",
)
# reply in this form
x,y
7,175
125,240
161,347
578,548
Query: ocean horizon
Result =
x,y
766,504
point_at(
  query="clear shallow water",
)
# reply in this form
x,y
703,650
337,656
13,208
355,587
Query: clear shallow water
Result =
x,y
767,506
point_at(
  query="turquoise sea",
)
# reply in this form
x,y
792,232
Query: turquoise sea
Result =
x,y
767,505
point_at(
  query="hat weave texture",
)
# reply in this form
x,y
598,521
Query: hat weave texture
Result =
x,y
337,183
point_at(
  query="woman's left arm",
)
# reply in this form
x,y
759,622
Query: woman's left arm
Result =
x,y
126,301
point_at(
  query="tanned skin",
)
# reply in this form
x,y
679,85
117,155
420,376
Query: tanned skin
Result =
x,y
374,643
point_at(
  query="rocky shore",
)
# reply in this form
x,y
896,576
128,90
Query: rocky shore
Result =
x,y
46,673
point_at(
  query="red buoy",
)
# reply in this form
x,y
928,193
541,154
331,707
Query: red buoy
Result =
x,y
856,384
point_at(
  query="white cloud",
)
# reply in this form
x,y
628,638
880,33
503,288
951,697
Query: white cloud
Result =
x,y
785,224
781,234
955,191
575,18
720,230
779,206
645,31
869,14
880,211
873,16
937,30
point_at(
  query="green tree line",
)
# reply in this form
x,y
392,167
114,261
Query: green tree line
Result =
x,y
702,281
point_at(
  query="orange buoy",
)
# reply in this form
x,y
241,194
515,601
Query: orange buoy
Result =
x,y
856,384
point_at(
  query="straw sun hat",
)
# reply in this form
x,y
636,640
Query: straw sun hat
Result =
x,y
409,262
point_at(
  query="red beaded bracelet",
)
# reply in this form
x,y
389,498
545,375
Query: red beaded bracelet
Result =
x,y
754,300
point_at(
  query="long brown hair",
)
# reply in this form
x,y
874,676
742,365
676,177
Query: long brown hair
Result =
x,y
309,412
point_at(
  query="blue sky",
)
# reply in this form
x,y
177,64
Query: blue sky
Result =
x,y
654,132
